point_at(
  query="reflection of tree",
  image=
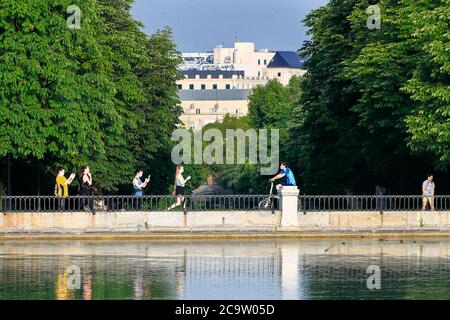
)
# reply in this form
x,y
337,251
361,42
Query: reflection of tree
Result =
x,y
335,277
180,274
87,287
222,271
125,278
61,290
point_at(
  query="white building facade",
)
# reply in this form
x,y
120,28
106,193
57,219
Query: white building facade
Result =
x,y
219,83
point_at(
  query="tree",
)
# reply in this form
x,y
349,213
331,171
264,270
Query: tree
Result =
x,y
270,106
351,127
322,137
145,73
429,87
103,95
56,101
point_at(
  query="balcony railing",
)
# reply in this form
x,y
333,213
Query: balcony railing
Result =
x,y
306,203
130,203
370,203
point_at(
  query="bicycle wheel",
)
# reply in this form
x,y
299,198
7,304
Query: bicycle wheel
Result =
x,y
299,205
184,205
265,204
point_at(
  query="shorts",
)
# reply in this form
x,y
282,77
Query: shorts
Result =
x,y
179,191
287,185
429,199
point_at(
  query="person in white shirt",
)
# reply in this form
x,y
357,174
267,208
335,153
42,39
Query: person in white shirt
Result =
x,y
428,187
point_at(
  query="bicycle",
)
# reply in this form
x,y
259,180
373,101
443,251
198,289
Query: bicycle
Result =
x,y
184,201
270,201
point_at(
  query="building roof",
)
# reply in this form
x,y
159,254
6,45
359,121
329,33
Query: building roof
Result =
x,y
207,189
213,95
213,73
285,59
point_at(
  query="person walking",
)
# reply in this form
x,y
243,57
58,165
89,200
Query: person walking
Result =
x,y
138,187
85,189
62,186
428,188
179,187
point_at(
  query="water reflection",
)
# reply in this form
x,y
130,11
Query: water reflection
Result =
x,y
313,269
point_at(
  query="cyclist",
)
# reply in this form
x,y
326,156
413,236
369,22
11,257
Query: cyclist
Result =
x,y
285,173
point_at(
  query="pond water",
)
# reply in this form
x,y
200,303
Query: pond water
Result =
x,y
232,269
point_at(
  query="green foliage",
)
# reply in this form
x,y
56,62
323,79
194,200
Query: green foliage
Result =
x,y
429,87
240,178
270,107
57,95
372,97
104,95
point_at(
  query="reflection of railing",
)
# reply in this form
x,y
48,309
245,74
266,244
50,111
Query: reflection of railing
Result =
x,y
129,203
370,203
232,266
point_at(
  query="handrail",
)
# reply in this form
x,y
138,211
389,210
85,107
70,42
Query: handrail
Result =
x,y
306,203
129,203
371,203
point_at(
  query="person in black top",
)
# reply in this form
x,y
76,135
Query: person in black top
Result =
x,y
86,188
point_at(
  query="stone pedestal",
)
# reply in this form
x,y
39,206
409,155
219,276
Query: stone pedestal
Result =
x,y
290,272
289,206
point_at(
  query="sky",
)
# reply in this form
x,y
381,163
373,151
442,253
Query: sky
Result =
x,y
201,25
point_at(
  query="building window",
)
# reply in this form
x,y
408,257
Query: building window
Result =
x,y
238,111
214,109
259,62
265,62
191,125
228,87
180,87
203,86
191,87
214,86
197,111
279,74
